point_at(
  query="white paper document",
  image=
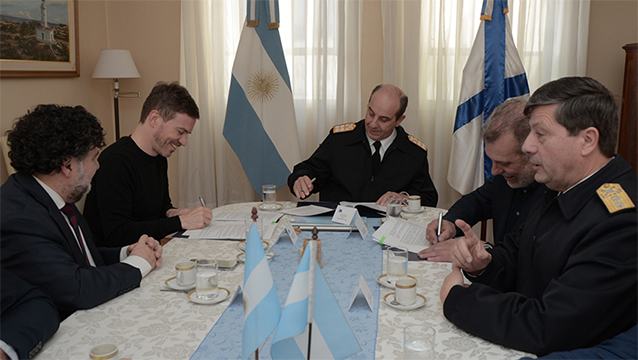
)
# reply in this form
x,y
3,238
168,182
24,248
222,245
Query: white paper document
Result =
x,y
402,233
309,210
371,205
220,230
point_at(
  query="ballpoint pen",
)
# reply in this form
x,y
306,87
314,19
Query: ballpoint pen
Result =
x,y
438,231
201,200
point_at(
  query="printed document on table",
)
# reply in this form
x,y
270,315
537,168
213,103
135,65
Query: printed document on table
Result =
x,y
220,230
371,205
402,233
267,217
309,210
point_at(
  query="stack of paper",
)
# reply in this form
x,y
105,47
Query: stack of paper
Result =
x,y
402,233
233,225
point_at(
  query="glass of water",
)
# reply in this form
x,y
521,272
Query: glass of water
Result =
x,y
206,280
396,263
418,342
269,196
393,206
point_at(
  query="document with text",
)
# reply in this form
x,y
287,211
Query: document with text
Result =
x,y
402,233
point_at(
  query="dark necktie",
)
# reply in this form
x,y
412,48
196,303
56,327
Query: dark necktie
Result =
x,y
70,213
376,158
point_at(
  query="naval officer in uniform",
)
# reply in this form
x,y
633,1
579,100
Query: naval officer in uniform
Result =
x,y
370,160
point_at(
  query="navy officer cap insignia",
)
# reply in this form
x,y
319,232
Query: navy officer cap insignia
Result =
x,y
343,128
417,142
614,197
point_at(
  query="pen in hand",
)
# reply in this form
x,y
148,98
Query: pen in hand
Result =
x,y
201,201
438,231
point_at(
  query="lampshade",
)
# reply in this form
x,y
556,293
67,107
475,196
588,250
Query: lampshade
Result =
x,y
115,64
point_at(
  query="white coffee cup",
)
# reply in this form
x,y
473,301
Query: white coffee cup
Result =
x,y
405,291
104,352
414,203
185,272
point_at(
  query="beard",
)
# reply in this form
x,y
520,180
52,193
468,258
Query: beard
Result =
x,y
79,187
524,179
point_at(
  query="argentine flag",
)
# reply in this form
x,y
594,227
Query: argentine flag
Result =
x,y
260,124
493,73
261,305
332,337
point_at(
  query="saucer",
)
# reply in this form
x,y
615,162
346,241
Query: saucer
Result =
x,y
172,283
277,206
420,301
384,282
242,245
405,209
222,294
242,257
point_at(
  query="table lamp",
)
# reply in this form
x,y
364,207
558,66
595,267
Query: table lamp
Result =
x,y
117,64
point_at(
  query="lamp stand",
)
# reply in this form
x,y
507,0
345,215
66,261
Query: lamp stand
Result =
x,y
116,105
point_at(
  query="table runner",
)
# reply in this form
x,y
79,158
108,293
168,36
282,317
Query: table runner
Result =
x,y
345,258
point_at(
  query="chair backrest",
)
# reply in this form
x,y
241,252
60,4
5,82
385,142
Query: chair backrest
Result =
x,y
5,153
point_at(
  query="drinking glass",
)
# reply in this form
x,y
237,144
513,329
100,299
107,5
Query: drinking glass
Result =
x,y
393,206
206,284
397,263
418,342
269,196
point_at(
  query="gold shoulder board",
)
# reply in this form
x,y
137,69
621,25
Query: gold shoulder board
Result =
x,y
343,128
614,197
417,142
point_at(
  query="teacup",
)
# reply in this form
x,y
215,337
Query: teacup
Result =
x,y
104,352
185,273
405,291
414,203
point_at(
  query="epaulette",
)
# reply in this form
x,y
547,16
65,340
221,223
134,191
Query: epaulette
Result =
x,y
417,142
614,197
343,128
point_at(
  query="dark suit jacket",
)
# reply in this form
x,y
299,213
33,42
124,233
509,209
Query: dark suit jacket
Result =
x,y
343,167
29,317
38,245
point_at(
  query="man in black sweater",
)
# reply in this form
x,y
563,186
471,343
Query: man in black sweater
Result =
x,y
130,194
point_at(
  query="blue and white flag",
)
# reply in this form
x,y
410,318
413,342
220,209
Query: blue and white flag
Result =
x,y
261,305
332,337
260,123
493,73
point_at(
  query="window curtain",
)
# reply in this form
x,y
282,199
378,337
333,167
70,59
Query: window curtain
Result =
x,y
426,46
321,41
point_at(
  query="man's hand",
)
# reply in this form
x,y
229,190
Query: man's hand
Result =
x,y
439,252
176,212
448,230
383,200
469,253
148,249
453,279
196,219
302,187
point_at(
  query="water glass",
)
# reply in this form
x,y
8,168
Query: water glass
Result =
x,y
207,283
396,263
269,196
393,206
418,342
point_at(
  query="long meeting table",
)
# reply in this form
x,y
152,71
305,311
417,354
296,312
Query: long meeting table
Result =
x,y
149,323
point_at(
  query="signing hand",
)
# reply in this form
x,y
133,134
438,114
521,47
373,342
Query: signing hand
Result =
x,y
469,253
303,187
448,230
383,200
196,219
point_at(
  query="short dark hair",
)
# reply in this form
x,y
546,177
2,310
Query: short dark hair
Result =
x,y
169,99
507,117
583,102
43,139
403,101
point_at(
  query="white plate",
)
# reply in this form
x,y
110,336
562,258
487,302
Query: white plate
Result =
x,y
242,245
384,281
242,257
405,209
277,206
172,283
222,294
420,301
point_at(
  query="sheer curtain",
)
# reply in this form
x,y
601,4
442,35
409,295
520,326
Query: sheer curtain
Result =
x,y
426,45
321,40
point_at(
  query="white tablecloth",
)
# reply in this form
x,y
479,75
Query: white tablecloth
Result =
x,y
147,323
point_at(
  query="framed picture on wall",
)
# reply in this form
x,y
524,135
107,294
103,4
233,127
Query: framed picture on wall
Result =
x,y
39,38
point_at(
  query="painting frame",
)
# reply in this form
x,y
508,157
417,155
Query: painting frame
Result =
x,y
49,69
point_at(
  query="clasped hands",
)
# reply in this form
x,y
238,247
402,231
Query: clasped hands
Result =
x,y
148,249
